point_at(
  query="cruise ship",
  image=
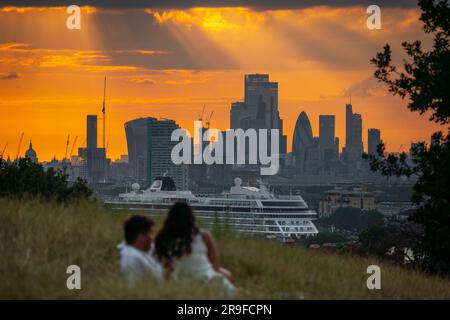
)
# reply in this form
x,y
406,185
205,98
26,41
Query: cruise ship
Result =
x,y
245,209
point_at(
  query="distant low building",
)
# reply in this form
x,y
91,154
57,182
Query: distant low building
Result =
x,y
341,198
77,168
53,164
395,208
120,169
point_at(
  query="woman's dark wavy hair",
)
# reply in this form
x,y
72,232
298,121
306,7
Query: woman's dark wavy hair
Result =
x,y
175,238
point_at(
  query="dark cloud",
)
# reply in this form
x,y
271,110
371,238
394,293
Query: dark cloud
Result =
x,y
123,36
337,47
368,87
142,81
184,4
9,76
136,30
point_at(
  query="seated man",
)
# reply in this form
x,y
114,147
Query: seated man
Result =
x,y
136,258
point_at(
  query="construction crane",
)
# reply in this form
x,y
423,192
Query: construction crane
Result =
x,y
67,146
73,146
3,151
208,120
200,116
20,144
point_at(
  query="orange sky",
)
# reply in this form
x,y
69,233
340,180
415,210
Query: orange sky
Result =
x,y
169,63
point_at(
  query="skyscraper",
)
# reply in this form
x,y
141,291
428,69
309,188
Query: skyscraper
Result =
x,y
261,99
327,146
95,157
373,140
356,133
348,123
353,149
91,132
303,136
312,158
336,146
260,107
149,150
237,108
302,141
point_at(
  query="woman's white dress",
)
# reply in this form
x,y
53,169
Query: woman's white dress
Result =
x,y
196,266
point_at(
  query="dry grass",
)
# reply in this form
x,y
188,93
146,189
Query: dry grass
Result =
x,y
39,240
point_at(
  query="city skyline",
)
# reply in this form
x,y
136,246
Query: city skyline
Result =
x,y
365,134
49,84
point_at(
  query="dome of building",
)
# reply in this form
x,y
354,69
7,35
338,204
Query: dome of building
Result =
x,y
135,186
31,154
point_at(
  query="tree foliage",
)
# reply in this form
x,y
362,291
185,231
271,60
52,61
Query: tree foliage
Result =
x,y
23,178
325,237
354,219
425,81
390,241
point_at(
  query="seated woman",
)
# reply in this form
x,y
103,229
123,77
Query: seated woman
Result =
x,y
189,251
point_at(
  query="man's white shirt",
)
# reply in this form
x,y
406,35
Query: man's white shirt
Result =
x,y
135,264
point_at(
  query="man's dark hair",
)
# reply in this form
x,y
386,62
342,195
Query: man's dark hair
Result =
x,y
134,226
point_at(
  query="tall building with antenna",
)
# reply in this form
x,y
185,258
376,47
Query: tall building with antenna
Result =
x,y
353,150
104,114
95,157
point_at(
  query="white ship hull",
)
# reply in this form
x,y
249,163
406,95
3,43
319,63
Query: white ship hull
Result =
x,y
244,209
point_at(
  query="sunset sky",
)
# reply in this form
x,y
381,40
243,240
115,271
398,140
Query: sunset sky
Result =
x,y
169,58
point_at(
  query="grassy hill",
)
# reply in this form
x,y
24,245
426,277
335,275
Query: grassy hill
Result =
x,y
39,240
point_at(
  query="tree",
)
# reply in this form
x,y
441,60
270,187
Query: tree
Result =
x,y
425,81
370,218
355,219
325,237
345,218
391,241
23,178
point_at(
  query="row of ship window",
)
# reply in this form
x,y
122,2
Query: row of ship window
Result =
x,y
297,228
253,203
295,222
272,229
226,209
235,215
251,216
